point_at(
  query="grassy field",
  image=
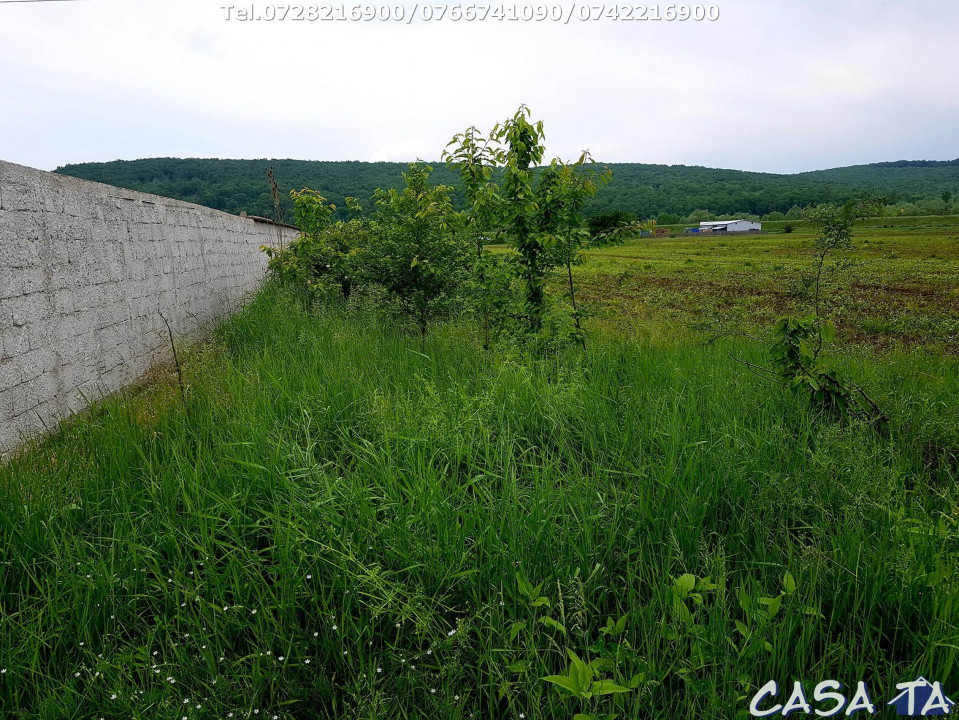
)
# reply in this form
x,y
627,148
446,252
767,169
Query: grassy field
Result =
x,y
337,524
899,287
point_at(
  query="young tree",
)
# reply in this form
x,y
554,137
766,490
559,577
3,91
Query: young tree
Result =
x,y
323,258
563,190
304,261
475,157
798,342
524,148
418,251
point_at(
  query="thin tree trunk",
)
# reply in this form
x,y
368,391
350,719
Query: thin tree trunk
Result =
x,y
482,279
572,299
423,328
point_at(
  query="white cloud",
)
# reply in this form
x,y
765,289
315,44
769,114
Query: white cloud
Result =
x,y
779,86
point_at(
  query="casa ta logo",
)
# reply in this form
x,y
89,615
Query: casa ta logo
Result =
x,y
919,698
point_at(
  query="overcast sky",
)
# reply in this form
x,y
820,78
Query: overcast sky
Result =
x,y
778,86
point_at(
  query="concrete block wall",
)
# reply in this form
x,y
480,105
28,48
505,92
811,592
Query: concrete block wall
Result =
x,y
85,272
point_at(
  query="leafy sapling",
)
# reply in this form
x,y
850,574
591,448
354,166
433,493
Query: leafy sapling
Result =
x,y
563,191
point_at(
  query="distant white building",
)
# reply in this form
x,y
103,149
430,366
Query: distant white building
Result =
x,y
733,226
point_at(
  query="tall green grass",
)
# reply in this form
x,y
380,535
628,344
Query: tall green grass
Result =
x,y
333,526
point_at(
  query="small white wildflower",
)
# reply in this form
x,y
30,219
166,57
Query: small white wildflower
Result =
x,y
451,633
456,697
113,697
76,674
253,611
334,627
82,644
269,652
344,652
309,577
281,658
306,662
429,652
316,634
379,670
432,691
3,671
225,608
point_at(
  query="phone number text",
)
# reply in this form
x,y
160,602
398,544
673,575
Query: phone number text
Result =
x,y
501,12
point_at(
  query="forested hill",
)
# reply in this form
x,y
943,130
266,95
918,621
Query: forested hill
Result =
x,y
921,177
646,190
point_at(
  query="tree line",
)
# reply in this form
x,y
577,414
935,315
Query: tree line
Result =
x,y
671,194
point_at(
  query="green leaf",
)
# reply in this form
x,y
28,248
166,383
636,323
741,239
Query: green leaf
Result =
x,y
789,583
549,622
828,330
516,629
684,584
606,687
520,666
567,683
774,605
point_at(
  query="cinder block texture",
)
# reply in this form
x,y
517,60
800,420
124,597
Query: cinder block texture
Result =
x,y
86,270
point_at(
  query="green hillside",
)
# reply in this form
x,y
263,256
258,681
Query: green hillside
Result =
x,y
922,177
646,190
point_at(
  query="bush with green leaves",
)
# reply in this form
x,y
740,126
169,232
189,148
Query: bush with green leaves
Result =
x,y
419,252
323,259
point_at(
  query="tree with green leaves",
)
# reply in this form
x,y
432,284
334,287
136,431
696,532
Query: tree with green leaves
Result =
x,y
523,141
418,251
798,342
475,156
322,260
563,191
